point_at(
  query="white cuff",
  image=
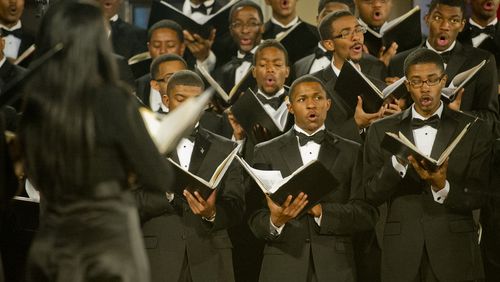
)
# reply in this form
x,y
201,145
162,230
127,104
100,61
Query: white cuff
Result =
x,y
441,195
209,62
401,169
209,219
275,231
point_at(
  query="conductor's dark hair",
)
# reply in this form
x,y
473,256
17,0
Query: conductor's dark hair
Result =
x,y
452,3
57,130
325,27
170,24
349,3
186,78
268,43
423,56
246,3
304,79
155,65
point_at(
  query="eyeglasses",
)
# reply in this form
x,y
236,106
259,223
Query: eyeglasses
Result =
x,y
249,25
431,81
346,33
452,21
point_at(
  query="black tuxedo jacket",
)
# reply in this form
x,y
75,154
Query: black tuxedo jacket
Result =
x,y
172,231
491,45
225,76
480,96
143,89
414,220
178,4
287,256
9,73
128,40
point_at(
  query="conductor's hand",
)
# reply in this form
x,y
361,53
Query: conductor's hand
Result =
x,y
199,206
437,178
288,211
316,211
199,46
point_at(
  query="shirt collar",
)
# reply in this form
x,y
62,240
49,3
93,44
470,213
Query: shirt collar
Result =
x,y
290,24
472,22
439,52
2,61
114,18
277,94
298,129
320,46
206,3
438,112
16,26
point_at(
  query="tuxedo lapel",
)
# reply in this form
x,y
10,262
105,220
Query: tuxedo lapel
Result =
x,y
457,59
446,130
328,152
405,125
198,157
290,152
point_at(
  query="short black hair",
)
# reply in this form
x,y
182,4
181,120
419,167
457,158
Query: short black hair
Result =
x,y
271,43
246,3
349,3
167,24
304,79
155,65
423,56
452,3
184,77
325,27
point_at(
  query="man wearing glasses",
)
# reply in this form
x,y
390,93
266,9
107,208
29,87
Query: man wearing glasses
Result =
x,y
342,34
429,234
445,20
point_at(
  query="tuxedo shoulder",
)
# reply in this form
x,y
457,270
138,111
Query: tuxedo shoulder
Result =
x,y
371,59
341,140
144,79
303,60
476,54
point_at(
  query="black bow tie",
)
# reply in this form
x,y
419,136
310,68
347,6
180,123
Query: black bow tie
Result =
x,y
317,137
433,121
273,102
248,57
16,32
319,53
488,30
446,56
201,9
278,29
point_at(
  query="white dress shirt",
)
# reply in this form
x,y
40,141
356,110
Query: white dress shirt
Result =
x,y
440,52
244,67
155,101
424,138
198,17
12,43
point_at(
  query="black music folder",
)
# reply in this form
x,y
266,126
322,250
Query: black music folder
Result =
x,y
400,146
404,30
161,9
312,179
185,179
352,83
